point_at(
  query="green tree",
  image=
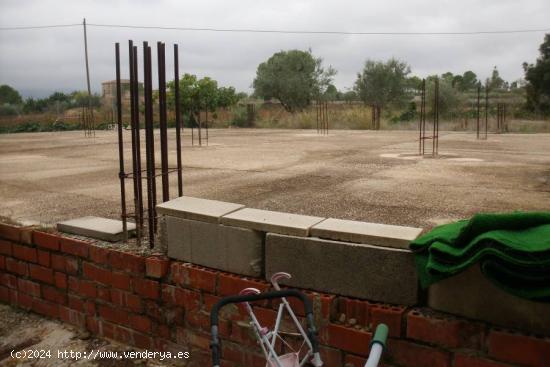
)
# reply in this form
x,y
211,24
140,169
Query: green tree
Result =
x,y
198,95
8,95
293,77
451,99
469,81
383,83
496,82
537,77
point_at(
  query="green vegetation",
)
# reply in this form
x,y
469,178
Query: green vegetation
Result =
x,y
538,80
293,77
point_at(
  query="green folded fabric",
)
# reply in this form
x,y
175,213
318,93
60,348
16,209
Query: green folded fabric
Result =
x,y
513,251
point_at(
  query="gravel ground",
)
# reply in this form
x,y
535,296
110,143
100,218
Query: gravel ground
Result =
x,y
362,175
22,331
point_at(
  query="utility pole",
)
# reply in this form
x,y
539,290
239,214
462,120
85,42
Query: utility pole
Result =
x,y
88,128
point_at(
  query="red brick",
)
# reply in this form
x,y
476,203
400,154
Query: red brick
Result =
x,y
54,295
408,354
348,339
199,278
92,324
330,356
4,294
127,261
45,308
3,262
10,281
58,262
26,235
518,348
464,360
142,341
81,305
99,255
71,265
187,298
106,329
24,300
354,361
17,267
9,232
72,317
28,287
232,352
445,331
156,266
389,315
230,285
146,288
41,273
140,323
60,280
74,247
126,299
106,277
6,248
46,240
87,289
120,280
43,258
123,335
113,314
24,253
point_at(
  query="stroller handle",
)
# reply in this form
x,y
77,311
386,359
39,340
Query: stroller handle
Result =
x,y
311,331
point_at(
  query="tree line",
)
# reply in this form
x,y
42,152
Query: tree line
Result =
x,y
297,79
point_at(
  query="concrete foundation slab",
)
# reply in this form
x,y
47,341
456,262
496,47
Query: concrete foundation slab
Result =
x,y
269,221
370,272
363,232
95,227
192,208
236,250
471,295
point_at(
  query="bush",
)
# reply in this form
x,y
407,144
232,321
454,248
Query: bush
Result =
x,y
27,127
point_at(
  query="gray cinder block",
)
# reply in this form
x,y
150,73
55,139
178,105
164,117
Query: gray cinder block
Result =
x,y
471,295
204,210
236,250
364,232
96,227
374,273
269,221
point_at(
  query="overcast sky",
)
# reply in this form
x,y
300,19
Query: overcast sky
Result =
x,y
37,62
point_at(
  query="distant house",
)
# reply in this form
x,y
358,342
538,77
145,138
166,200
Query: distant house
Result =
x,y
109,92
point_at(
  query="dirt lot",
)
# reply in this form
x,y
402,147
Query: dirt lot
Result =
x,y
48,343
362,175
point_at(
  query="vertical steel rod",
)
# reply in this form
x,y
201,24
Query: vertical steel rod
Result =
x,y
134,142
486,107
149,142
121,174
162,123
178,119
478,109
138,139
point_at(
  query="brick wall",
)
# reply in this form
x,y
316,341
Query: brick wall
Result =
x,y
158,304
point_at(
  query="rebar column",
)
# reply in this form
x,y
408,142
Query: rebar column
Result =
x,y
486,108
138,139
121,174
422,122
135,142
162,121
149,141
178,119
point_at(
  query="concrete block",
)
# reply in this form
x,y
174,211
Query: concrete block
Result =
x,y
363,232
268,221
236,250
370,272
471,295
95,227
204,210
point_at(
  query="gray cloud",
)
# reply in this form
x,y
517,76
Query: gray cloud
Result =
x,y
38,62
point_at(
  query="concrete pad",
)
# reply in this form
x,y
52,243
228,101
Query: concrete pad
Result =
x,y
269,221
374,273
204,210
363,232
95,227
236,250
471,295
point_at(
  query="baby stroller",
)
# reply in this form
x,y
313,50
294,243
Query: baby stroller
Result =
x,y
268,338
